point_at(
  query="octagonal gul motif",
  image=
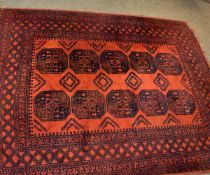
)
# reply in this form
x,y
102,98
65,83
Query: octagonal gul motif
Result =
x,y
52,105
83,61
88,104
51,61
114,62
168,64
180,102
122,103
153,102
142,62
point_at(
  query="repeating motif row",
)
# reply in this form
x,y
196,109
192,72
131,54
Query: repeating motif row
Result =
x,y
91,104
81,61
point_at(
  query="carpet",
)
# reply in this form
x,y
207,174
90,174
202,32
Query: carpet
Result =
x,y
85,93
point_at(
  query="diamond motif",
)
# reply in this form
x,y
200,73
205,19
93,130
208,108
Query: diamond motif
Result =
x,y
102,81
108,123
38,82
67,44
40,44
197,118
124,46
151,48
69,81
133,81
171,119
140,120
97,45
185,82
72,123
161,82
